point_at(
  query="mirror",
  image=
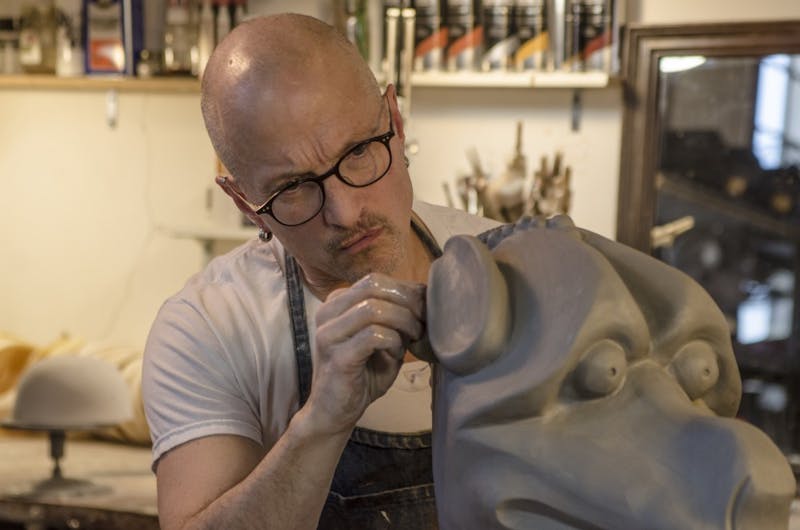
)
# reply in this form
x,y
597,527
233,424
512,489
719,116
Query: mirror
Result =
x,y
710,183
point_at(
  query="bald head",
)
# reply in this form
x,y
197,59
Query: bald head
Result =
x,y
269,69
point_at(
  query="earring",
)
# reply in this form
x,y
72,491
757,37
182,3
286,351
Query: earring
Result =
x,y
264,236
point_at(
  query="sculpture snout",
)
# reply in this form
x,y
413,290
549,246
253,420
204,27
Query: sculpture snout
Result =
x,y
728,474
759,503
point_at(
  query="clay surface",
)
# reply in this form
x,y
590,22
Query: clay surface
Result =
x,y
583,384
68,392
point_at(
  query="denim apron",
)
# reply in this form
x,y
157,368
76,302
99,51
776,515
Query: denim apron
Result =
x,y
383,480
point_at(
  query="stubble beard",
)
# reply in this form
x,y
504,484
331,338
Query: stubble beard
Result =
x,y
384,256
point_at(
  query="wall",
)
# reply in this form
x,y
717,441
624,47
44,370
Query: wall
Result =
x,y
696,11
448,122
83,205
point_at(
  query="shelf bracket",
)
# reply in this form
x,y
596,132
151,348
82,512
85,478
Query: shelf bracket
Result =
x,y
577,109
112,108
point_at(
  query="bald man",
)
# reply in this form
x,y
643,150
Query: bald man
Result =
x,y
277,383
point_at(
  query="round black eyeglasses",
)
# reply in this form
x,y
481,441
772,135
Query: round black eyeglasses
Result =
x,y
300,200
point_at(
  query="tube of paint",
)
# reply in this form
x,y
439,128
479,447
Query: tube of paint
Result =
x,y
499,38
530,21
464,35
430,36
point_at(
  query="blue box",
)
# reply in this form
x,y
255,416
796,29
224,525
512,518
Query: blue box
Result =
x,y
113,35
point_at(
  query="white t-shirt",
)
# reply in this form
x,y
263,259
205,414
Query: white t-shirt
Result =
x,y
220,355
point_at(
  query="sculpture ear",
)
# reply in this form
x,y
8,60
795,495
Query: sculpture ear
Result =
x,y
469,317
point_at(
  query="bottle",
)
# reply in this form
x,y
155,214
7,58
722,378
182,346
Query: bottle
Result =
x,y
356,27
531,25
596,37
240,12
205,36
178,39
69,48
464,35
223,20
37,39
430,36
9,42
499,38
588,40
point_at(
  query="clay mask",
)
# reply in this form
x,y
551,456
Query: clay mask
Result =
x,y
583,384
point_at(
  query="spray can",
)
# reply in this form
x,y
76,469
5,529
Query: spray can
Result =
x,y
588,35
430,36
530,20
596,35
464,35
499,38
356,26
572,35
391,14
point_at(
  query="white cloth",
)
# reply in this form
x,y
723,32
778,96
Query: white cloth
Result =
x,y
220,357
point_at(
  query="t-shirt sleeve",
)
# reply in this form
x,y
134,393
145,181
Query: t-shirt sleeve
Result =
x,y
189,387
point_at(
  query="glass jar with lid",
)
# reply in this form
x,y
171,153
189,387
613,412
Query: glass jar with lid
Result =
x,y
37,38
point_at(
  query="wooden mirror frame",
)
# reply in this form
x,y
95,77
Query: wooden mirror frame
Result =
x,y
644,47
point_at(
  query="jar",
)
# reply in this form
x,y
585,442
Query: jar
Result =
x,y
9,46
37,39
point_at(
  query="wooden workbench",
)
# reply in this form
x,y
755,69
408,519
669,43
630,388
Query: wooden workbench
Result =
x,y
124,497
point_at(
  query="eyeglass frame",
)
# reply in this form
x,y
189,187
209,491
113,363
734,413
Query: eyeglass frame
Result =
x,y
385,138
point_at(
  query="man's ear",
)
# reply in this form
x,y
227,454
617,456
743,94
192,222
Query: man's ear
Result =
x,y
232,190
394,109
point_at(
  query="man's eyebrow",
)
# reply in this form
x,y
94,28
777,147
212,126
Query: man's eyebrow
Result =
x,y
276,184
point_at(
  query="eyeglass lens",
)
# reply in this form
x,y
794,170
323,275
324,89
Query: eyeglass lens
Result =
x,y
362,166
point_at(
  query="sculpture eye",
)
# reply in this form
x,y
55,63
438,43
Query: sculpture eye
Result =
x,y
601,370
696,369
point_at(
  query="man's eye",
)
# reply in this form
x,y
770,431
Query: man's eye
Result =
x,y
359,150
293,188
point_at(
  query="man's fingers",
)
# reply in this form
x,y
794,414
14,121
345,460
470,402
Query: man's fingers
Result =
x,y
365,314
357,349
375,286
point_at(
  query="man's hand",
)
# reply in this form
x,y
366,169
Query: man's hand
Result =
x,y
362,334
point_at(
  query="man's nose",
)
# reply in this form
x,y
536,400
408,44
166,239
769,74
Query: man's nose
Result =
x,y
343,204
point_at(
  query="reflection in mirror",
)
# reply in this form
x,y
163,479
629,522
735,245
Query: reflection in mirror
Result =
x,y
729,136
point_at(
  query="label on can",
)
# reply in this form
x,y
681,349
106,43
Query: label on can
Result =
x,y
588,35
387,5
430,36
596,36
464,35
531,24
499,39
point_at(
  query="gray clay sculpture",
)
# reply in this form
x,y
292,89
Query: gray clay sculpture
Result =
x,y
582,384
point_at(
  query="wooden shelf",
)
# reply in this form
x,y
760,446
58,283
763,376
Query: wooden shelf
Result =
x,y
210,232
418,79
771,357
510,79
119,83
716,201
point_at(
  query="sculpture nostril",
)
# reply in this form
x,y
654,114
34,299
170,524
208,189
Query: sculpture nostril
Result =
x,y
735,506
760,503
696,368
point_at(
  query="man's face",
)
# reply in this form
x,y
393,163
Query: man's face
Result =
x,y
358,230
